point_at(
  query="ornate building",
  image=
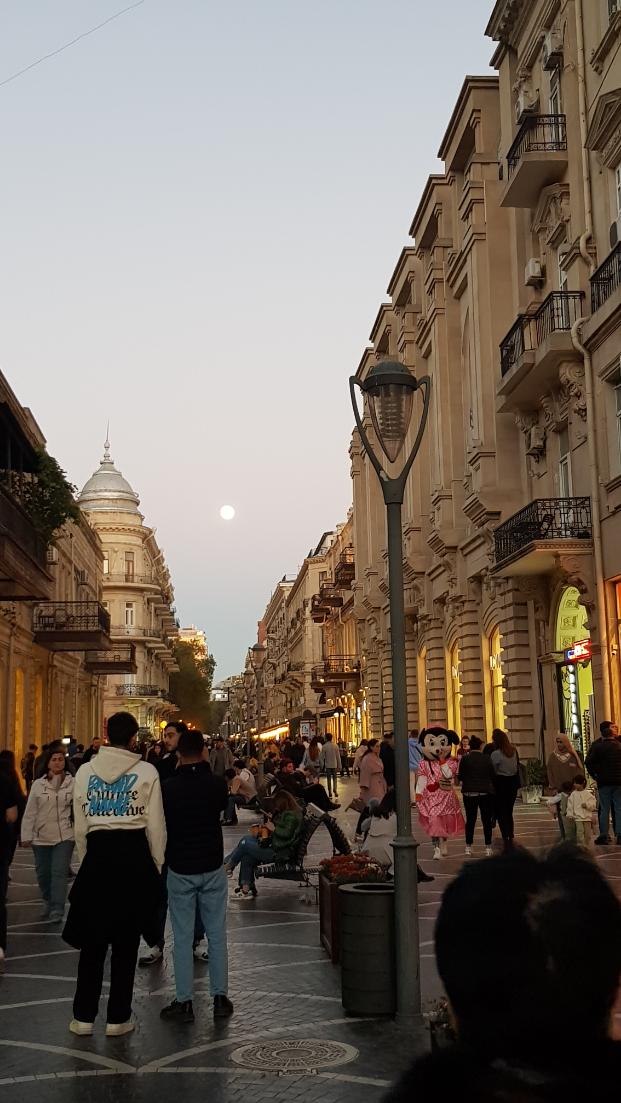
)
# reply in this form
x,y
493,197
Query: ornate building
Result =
x,y
137,595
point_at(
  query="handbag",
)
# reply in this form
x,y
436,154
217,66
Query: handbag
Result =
x,y
357,805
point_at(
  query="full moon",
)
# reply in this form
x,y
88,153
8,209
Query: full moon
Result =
x,y
227,513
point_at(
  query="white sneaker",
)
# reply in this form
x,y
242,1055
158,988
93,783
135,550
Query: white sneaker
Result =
x,y
437,853
83,1029
155,954
200,952
113,1030
468,851
1,960
444,848
488,851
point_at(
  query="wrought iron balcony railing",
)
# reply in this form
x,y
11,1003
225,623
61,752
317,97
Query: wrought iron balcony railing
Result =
x,y
544,519
606,279
538,134
131,689
70,617
114,660
557,313
130,578
345,570
336,667
133,631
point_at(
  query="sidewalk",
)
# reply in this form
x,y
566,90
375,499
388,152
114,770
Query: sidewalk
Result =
x,y
289,1038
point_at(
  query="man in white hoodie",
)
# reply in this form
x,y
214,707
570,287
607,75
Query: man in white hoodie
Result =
x,y
120,836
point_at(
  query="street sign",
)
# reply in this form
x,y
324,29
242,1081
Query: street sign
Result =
x,y
580,652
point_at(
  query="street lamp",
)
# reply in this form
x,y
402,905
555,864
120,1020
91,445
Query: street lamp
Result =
x,y
390,390
258,655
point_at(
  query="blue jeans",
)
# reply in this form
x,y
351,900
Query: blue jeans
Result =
x,y
210,892
609,797
249,854
331,780
52,866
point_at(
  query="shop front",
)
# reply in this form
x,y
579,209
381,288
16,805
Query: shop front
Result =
x,y
574,673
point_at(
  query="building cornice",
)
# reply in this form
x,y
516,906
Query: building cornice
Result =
x,y
504,20
461,116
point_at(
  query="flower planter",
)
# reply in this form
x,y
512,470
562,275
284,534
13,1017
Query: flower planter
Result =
x,y
329,918
368,973
531,794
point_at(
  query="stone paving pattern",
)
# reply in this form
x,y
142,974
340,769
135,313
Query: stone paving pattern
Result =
x,y
282,985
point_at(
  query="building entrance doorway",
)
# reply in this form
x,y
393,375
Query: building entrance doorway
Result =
x,y
574,671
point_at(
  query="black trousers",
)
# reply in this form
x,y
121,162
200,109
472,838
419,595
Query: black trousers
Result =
x,y
506,792
473,805
4,883
90,979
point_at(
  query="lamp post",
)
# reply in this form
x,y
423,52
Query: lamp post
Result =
x,y
390,390
258,655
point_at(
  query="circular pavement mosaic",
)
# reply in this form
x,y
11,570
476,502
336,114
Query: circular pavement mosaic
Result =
x,y
294,1055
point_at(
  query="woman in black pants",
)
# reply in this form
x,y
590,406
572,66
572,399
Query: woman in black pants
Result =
x,y
477,778
506,763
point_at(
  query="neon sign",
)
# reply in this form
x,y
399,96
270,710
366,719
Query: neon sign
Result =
x,y
579,653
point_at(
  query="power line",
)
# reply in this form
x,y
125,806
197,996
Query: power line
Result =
x,y
66,46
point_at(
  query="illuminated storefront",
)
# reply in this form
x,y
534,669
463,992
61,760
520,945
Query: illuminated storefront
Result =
x,y
454,684
496,684
574,670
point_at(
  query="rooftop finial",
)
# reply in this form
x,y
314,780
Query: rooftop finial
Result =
x,y
106,458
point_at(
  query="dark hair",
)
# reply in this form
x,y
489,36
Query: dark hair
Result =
x,y
386,806
230,773
32,746
239,764
52,750
371,743
9,769
474,741
313,750
567,786
502,743
328,737
191,744
284,762
604,728
580,779
536,915
122,727
413,734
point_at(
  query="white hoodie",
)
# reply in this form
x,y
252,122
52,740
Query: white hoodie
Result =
x,y
116,790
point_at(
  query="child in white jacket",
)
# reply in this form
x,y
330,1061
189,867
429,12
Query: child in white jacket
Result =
x,y
581,809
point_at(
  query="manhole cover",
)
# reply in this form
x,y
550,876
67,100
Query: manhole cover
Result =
x,y
294,1055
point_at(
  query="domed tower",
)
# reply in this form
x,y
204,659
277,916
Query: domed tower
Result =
x,y
138,594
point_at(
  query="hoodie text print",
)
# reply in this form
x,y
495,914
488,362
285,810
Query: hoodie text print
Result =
x,y
113,798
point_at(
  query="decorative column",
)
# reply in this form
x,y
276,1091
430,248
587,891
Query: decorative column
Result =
x,y
436,666
517,668
471,667
373,691
411,661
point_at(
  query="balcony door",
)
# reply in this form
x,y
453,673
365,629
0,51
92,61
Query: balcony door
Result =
x,y
565,487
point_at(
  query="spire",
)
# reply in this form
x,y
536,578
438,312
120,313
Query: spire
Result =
x,y
106,456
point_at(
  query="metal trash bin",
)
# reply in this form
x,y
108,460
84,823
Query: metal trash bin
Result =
x,y
368,971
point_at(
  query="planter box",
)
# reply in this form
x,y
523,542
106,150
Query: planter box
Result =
x,y
329,918
531,794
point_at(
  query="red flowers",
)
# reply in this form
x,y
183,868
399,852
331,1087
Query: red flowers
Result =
x,y
344,869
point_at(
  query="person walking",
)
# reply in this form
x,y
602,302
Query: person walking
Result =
x,y
582,810
387,755
27,766
477,777
415,755
8,817
221,758
93,750
47,826
311,763
506,763
603,762
194,800
359,754
372,781
331,763
120,836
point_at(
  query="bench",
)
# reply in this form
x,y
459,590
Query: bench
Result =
x,y
295,868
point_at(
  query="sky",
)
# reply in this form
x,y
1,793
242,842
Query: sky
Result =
x,y
201,205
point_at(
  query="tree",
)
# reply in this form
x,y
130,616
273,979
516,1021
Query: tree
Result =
x,y
190,688
47,497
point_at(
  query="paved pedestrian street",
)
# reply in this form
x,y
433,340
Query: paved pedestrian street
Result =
x,y
288,1040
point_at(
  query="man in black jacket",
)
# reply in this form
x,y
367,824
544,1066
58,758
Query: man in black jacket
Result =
x,y
193,802
387,755
476,775
604,764
167,764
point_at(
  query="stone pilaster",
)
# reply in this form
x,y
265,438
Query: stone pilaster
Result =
x,y
520,691
436,671
386,687
471,670
373,694
411,663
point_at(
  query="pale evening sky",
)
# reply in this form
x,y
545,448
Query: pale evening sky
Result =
x,y
200,208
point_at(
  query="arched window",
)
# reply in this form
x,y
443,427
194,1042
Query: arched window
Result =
x,y
496,679
454,695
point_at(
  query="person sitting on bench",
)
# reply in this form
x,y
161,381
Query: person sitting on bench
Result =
x,y
242,789
294,782
274,841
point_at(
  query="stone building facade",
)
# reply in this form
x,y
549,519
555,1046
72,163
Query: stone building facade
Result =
x,y
137,595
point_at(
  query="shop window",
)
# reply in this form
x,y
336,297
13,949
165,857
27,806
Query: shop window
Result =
x,y
454,689
496,679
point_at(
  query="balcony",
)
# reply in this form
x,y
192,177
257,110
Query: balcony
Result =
x,y
530,542
129,578
345,570
535,346
133,691
23,555
606,280
319,609
120,660
335,671
330,596
134,631
537,158
71,626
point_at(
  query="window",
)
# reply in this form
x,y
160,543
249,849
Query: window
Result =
x,y
129,566
556,103
564,467
455,689
560,263
129,614
106,565
495,664
106,605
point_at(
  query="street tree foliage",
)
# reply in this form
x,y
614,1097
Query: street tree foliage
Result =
x,y
47,497
190,688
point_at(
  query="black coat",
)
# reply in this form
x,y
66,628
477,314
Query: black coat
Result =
x,y
387,755
604,761
194,800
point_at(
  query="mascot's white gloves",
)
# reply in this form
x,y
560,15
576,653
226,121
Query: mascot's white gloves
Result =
x,y
421,785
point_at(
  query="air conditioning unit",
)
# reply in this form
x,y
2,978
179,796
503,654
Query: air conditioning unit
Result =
x,y
552,50
52,555
614,7
536,441
526,104
615,229
534,273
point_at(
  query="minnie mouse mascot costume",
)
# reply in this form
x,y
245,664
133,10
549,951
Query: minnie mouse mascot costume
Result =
x,y
439,812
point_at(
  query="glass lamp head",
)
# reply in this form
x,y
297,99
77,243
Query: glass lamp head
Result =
x,y
390,388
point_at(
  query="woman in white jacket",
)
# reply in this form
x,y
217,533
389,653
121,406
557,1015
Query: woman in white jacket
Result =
x,y
47,826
